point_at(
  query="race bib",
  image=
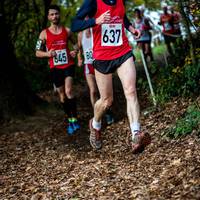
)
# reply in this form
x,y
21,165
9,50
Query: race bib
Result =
x,y
111,34
167,26
60,58
88,56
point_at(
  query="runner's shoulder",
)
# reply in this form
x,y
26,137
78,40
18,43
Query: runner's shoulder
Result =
x,y
43,34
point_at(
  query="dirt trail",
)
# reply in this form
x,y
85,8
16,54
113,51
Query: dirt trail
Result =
x,y
39,161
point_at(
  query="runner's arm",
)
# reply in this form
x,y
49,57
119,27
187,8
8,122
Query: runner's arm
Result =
x,y
79,23
127,23
41,47
131,28
89,8
179,17
80,52
151,22
72,39
154,26
160,21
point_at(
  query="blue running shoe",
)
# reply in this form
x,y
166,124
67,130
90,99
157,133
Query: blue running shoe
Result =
x,y
76,125
70,129
109,119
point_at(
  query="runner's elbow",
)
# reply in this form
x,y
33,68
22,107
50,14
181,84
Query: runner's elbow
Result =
x,y
36,54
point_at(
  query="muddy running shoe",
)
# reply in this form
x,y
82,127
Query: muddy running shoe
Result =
x,y
95,137
109,119
139,142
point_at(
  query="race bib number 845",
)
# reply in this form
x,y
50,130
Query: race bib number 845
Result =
x,y
111,34
60,58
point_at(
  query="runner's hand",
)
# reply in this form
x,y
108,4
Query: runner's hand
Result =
x,y
51,53
73,53
137,34
104,18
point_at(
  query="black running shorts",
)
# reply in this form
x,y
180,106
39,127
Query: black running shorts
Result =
x,y
110,66
168,39
58,75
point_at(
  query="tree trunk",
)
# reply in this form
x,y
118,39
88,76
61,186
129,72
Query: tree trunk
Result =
x,y
47,3
186,22
15,96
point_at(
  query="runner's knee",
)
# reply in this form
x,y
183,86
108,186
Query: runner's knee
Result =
x,y
107,102
130,92
68,92
62,97
93,92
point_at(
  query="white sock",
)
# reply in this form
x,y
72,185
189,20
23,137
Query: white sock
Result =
x,y
135,127
96,125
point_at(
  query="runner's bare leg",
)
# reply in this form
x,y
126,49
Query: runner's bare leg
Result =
x,y
61,93
104,83
127,75
92,88
69,87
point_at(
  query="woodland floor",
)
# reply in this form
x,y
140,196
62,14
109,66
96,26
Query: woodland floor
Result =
x,y
39,161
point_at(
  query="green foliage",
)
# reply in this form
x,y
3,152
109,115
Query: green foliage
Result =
x,y
178,80
181,77
185,125
159,50
152,4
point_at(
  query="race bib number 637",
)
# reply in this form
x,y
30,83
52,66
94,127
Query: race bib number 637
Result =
x,y
111,34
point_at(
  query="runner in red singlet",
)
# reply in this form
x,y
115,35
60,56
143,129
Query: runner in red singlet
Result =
x,y
176,21
53,44
111,53
166,20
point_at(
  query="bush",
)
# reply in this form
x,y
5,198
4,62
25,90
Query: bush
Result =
x,y
178,81
185,125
